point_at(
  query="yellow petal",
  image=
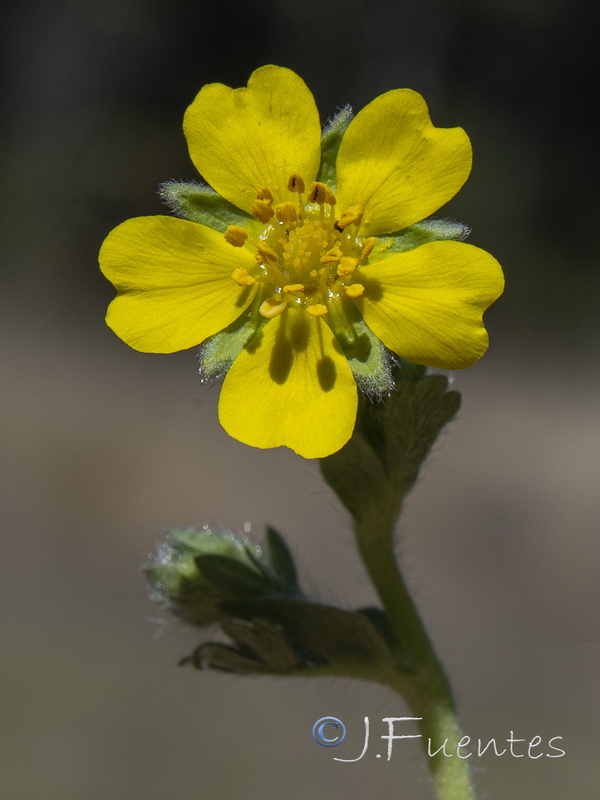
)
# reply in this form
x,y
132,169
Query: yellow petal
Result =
x,y
174,282
427,304
396,165
291,386
243,140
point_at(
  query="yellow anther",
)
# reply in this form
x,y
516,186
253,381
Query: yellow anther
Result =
x,y
261,210
265,194
313,273
296,183
351,216
271,307
293,288
321,194
367,247
355,290
266,253
318,310
286,212
242,277
347,265
235,235
329,197
331,256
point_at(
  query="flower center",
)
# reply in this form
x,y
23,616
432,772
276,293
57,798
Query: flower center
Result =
x,y
306,257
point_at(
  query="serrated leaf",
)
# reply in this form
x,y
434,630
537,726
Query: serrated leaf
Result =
x,y
199,203
389,444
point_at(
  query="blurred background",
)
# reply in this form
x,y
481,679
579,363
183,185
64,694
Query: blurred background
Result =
x,y
104,448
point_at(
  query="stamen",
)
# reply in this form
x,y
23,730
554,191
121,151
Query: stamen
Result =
x,y
235,235
266,253
331,256
351,216
367,247
286,212
319,193
265,194
271,307
346,266
318,310
354,290
242,277
261,210
296,183
293,288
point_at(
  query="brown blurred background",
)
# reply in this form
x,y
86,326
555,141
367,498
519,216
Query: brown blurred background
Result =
x,y
103,448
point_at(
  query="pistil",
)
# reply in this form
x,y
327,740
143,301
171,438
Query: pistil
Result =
x,y
308,258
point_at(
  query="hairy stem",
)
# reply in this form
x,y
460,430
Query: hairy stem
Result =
x,y
420,677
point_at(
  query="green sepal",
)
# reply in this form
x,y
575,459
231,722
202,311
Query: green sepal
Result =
x,y
199,203
281,560
219,352
391,440
429,230
331,139
368,359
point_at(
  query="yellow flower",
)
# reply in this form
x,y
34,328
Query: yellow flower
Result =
x,y
310,257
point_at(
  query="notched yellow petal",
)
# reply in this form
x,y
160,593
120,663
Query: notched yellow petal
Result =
x,y
242,140
395,164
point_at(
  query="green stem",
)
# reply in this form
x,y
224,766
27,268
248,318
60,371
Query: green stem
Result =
x,y
420,678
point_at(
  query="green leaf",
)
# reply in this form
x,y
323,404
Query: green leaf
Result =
x,y
281,560
390,442
330,144
218,353
200,203
429,230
